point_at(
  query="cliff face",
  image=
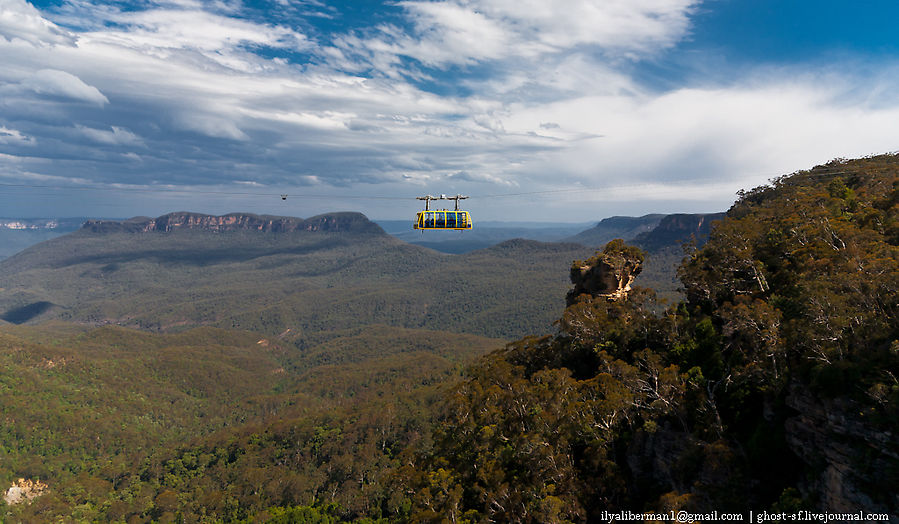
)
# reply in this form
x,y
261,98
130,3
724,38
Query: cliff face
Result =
x,y
616,227
677,229
329,223
843,452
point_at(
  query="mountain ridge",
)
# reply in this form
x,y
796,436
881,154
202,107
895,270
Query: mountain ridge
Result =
x,y
677,228
187,251
299,280
624,227
345,221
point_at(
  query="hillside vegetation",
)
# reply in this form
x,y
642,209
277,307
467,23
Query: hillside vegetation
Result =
x,y
330,336
772,387
272,281
124,425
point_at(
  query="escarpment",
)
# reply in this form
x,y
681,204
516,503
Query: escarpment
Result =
x,y
330,222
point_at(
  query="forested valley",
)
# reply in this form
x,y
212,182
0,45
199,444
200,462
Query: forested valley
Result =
x,y
353,378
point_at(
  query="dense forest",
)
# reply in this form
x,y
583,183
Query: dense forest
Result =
x,y
772,385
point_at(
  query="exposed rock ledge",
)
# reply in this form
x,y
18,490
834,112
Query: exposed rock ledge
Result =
x,y
24,490
331,222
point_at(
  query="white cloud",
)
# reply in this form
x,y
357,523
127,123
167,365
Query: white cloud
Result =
x,y
60,83
448,33
12,136
192,29
469,31
627,26
210,125
115,136
21,22
480,177
325,120
683,141
550,106
24,176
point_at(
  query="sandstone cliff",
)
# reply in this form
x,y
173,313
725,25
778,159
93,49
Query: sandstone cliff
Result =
x,y
611,228
330,223
678,228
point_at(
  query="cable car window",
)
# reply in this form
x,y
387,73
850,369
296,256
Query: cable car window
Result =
x,y
441,219
451,218
429,219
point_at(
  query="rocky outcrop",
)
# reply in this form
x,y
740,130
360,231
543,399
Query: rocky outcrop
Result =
x,y
24,490
331,222
853,463
608,274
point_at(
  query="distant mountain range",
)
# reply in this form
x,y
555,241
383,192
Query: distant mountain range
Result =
x,y
183,220
484,234
89,275
33,224
677,229
616,227
651,232
271,274
18,233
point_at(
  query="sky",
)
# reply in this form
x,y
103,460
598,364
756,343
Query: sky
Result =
x,y
539,110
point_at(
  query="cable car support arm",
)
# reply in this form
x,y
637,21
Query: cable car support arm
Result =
x,y
428,198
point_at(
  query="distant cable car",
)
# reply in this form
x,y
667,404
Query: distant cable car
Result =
x,y
442,219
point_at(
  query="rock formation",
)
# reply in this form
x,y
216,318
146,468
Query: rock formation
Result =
x,y
24,490
609,273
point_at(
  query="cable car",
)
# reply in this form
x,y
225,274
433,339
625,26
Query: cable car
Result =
x,y
443,219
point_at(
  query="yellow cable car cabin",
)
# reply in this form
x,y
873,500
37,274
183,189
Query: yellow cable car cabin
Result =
x,y
442,220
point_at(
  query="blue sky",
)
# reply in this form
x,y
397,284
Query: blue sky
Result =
x,y
581,109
